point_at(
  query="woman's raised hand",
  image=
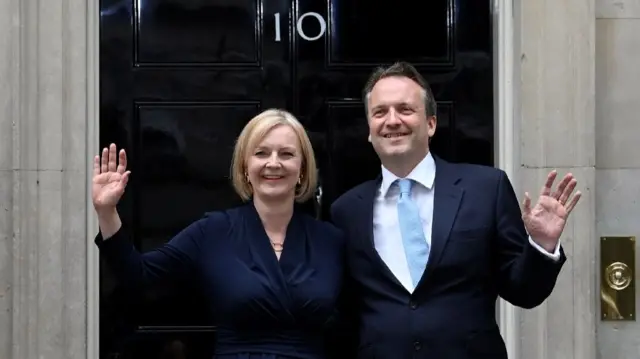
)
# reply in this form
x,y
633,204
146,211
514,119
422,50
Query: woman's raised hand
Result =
x,y
110,177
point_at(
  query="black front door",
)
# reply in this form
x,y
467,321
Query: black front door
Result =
x,y
180,78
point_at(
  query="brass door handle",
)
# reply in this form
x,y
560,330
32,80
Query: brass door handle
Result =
x,y
618,276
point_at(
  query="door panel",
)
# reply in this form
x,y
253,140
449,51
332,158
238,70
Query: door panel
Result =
x,y
180,78
424,39
197,33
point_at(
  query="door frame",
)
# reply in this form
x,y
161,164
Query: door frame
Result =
x,y
505,140
506,134
92,142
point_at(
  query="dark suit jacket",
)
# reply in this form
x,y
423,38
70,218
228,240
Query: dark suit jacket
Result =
x,y
479,251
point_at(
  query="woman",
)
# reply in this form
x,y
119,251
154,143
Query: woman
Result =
x,y
271,274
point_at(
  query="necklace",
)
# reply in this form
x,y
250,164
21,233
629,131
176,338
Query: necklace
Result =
x,y
278,247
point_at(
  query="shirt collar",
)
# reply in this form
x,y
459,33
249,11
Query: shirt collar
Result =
x,y
424,173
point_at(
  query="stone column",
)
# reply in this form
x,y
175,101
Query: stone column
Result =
x,y
618,157
556,92
43,179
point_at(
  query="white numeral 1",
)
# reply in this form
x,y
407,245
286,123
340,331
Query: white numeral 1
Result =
x,y
277,17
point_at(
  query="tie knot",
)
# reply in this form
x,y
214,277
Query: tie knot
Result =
x,y
405,186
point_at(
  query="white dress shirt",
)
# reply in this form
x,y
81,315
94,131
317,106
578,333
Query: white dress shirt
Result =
x,y
386,229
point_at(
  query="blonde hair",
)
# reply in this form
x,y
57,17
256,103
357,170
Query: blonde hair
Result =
x,y
253,133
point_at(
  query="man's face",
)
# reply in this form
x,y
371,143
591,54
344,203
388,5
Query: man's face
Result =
x,y
398,124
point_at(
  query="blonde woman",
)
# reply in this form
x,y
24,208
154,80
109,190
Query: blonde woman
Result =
x,y
271,273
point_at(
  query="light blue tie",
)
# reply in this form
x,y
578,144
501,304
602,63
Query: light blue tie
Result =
x,y
415,244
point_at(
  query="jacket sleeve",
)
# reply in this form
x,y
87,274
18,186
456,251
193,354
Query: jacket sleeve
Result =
x,y
525,276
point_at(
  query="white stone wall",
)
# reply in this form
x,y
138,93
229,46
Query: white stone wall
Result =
x,y
43,161
618,148
557,131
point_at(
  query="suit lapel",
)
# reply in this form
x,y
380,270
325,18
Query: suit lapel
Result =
x,y
367,199
447,198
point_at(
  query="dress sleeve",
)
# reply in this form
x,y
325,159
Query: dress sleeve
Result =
x,y
175,259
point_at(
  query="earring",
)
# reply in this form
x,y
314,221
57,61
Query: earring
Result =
x,y
246,177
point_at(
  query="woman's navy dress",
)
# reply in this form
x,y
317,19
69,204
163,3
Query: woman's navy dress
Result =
x,y
264,308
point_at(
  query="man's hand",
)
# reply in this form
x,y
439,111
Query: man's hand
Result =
x,y
546,220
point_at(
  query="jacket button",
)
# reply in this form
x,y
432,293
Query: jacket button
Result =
x,y
417,345
413,305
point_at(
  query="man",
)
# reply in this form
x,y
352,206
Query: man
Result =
x,y
432,244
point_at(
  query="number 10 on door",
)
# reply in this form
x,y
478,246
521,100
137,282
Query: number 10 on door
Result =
x,y
301,19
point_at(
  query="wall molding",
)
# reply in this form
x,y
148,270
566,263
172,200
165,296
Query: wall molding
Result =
x,y
505,139
93,141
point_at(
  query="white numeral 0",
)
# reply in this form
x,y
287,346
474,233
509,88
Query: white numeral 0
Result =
x,y
323,26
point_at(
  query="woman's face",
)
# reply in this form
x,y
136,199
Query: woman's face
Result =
x,y
274,166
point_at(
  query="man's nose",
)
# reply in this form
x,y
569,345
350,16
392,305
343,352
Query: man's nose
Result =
x,y
392,118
